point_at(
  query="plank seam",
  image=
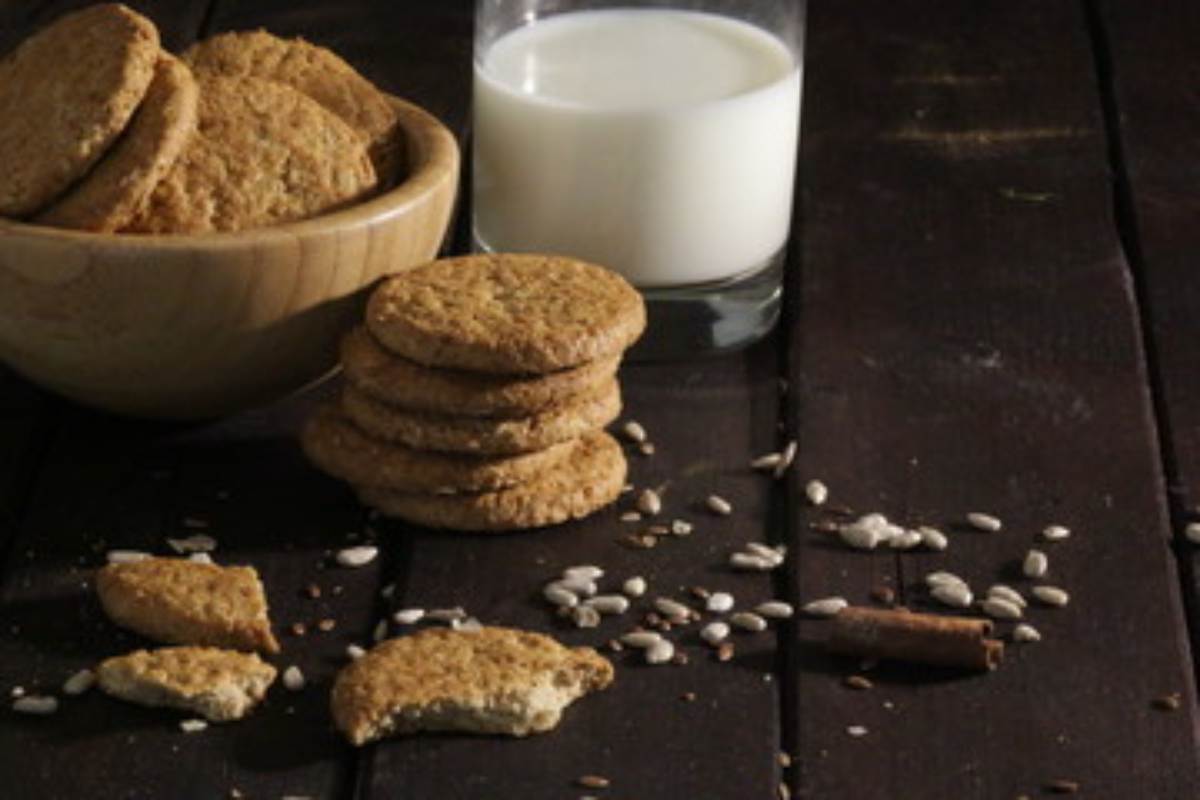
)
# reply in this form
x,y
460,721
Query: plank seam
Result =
x,y
1129,238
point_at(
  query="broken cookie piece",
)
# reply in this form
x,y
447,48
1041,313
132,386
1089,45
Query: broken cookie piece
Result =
x,y
220,685
188,602
493,680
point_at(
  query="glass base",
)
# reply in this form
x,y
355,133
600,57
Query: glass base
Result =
x,y
705,318
711,318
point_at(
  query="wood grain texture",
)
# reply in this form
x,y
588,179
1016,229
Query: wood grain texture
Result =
x,y
706,420
1153,74
964,337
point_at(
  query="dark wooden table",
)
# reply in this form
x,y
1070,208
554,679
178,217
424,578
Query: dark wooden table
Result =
x,y
992,304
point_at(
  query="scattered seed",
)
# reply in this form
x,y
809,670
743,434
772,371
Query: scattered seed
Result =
x,y
40,705
658,529
719,602
884,595
556,595
1168,702
774,554
193,725
783,759
942,578
1026,634
358,556
725,651
933,538
774,609
577,585
672,609
766,461
293,679
200,558
786,458
638,542
1035,565
816,492
615,645
468,625
635,586
825,607
381,631
199,543
688,697
446,614
126,556
999,608
1192,532
79,683
783,791
608,603
583,572
1007,593
298,629
593,781
326,625
857,731
906,540
699,592
646,448
955,595
1062,786
408,616
1051,595
585,617
858,682
631,516
714,632
634,432
660,652
681,527
749,561
718,505
863,535
748,621
984,522
312,591
354,652
1055,533
640,639
16,691
680,659
649,503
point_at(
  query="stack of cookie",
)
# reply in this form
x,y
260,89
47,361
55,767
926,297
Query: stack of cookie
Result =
x,y
477,392
103,130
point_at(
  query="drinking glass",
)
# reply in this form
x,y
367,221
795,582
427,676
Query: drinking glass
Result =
x,y
658,139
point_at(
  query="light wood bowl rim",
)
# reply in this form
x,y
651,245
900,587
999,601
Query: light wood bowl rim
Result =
x,y
433,151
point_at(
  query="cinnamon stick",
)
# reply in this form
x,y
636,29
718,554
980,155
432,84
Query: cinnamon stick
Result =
x,y
901,635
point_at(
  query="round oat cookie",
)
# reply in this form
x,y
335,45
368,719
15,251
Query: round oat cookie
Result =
x,y
400,382
263,153
481,435
317,72
108,196
506,313
339,448
590,481
66,93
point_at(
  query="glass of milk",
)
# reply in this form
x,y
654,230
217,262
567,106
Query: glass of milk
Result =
x,y
655,138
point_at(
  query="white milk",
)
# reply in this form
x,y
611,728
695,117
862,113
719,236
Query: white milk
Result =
x,y
660,143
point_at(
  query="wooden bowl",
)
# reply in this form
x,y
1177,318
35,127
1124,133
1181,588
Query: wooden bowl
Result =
x,y
198,326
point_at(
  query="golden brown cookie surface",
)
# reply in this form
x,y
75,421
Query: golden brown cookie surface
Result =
x,y
107,198
221,685
339,448
66,93
588,482
506,313
399,381
186,602
314,70
263,153
479,435
494,680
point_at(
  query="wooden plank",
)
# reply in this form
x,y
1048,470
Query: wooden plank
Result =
x,y
965,339
1152,76
706,419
